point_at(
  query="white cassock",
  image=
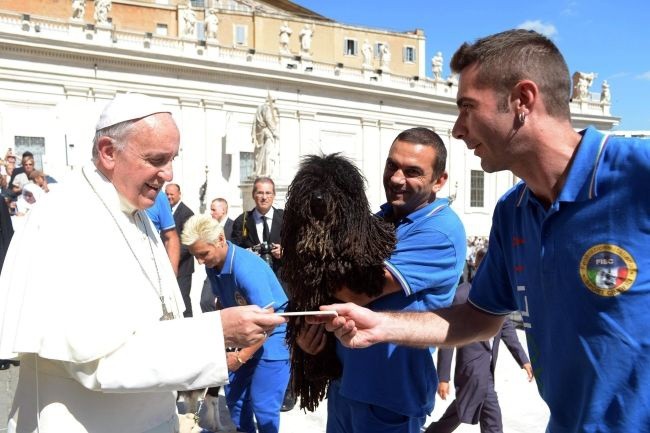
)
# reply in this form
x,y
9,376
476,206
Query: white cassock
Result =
x,y
79,303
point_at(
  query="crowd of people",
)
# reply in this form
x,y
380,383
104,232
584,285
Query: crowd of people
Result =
x,y
23,185
96,329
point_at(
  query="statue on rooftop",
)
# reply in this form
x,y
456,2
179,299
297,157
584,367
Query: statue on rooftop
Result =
x,y
306,35
285,36
582,81
436,66
102,9
385,57
78,9
211,24
605,96
188,21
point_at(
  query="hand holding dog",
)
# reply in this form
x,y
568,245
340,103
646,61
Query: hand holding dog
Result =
x,y
312,340
248,325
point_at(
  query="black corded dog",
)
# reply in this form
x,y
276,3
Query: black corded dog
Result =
x,y
330,240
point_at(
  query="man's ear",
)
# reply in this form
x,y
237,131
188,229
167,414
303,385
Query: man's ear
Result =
x,y
440,182
525,95
106,152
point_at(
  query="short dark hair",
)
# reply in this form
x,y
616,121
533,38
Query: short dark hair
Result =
x,y
178,187
427,137
263,179
505,58
27,153
221,200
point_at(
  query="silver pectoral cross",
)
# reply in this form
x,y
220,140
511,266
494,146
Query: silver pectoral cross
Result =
x,y
167,315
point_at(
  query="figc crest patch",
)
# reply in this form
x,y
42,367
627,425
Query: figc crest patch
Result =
x,y
607,270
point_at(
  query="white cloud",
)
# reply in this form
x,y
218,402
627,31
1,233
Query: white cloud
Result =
x,y
618,75
644,76
547,30
570,9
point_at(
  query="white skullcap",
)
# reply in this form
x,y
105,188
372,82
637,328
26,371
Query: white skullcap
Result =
x,y
128,106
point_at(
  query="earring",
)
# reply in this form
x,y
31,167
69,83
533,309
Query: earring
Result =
x,y
522,117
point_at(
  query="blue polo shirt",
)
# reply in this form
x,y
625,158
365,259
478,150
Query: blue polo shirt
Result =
x,y
579,272
428,261
245,279
160,213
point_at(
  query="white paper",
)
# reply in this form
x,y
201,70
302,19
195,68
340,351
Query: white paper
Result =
x,y
310,313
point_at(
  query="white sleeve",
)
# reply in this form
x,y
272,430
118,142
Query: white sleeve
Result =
x,y
180,354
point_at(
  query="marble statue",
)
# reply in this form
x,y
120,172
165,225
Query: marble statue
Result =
x,y
102,9
78,9
436,66
366,52
306,35
266,139
188,19
385,57
582,81
211,24
285,36
605,96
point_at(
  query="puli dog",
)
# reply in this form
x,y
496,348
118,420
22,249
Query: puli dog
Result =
x,y
330,240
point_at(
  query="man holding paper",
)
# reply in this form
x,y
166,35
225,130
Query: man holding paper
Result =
x,y
388,388
258,374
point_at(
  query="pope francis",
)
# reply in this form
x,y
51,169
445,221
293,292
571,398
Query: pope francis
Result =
x,y
97,325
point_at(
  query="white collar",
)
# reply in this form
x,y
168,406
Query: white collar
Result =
x,y
107,190
258,216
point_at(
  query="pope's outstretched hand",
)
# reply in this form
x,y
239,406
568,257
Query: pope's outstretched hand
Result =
x,y
248,325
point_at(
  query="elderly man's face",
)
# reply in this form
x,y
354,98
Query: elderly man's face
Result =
x,y
263,196
145,163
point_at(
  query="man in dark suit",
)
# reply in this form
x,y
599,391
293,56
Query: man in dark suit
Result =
x,y
219,212
476,400
186,263
261,224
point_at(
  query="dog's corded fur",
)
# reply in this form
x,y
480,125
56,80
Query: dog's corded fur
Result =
x,y
330,240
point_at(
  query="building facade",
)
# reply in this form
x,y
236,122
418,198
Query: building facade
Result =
x,y
336,88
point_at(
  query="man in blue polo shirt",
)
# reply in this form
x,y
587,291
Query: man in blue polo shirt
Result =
x,y
388,388
258,374
568,248
160,214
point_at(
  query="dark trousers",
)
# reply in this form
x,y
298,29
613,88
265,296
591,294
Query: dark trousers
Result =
x,y
489,419
185,284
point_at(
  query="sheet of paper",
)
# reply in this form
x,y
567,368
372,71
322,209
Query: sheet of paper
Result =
x,y
310,313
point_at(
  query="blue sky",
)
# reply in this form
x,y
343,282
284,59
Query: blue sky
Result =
x,y
607,37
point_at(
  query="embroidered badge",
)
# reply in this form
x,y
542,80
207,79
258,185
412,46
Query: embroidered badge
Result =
x,y
239,299
607,270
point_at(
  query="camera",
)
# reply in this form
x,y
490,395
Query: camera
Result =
x,y
264,250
